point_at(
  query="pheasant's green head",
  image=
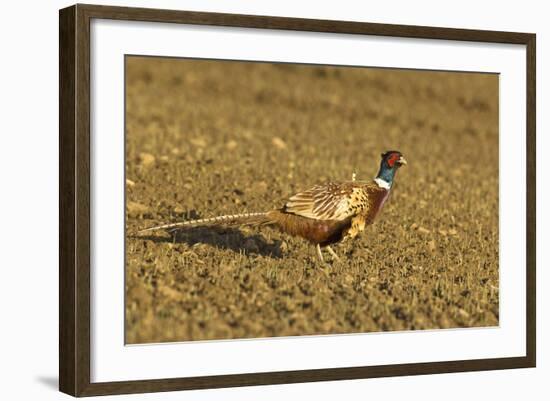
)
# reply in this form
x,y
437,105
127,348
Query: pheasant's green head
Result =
x,y
391,161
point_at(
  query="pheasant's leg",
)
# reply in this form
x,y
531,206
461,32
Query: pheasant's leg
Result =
x,y
319,253
334,255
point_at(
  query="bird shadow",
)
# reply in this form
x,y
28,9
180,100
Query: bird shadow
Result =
x,y
221,238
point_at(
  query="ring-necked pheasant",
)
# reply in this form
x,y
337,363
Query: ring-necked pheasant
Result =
x,y
324,215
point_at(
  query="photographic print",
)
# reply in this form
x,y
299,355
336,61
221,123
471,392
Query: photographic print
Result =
x,y
273,199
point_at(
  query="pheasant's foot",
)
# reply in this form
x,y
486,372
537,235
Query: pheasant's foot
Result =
x,y
319,253
334,255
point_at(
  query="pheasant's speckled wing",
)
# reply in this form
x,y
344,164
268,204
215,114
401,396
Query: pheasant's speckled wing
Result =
x,y
331,201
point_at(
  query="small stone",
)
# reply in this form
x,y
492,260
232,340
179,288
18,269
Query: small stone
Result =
x,y
348,279
247,134
423,230
453,232
463,313
170,293
278,143
444,322
146,159
261,186
231,145
130,183
432,246
198,142
136,209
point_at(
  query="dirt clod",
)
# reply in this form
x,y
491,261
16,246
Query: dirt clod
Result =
x,y
146,159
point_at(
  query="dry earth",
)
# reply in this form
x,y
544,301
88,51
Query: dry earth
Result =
x,y
205,138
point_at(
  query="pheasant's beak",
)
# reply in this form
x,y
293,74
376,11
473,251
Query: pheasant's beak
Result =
x,y
402,161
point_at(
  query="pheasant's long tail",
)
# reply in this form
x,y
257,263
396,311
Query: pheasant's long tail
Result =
x,y
244,219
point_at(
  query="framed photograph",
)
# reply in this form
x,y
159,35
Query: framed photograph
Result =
x,y
250,200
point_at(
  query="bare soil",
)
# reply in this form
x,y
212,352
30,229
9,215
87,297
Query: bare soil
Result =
x,y
207,138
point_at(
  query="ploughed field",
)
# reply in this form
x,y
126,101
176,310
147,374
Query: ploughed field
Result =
x,y
207,138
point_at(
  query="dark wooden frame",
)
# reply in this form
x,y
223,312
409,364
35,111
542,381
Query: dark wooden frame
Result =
x,y
74,200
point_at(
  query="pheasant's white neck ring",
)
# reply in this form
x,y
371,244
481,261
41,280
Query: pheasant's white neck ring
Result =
x,y
382,183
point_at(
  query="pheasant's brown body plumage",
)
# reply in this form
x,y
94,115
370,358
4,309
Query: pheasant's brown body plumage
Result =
x,y
327,214
322,232
324,214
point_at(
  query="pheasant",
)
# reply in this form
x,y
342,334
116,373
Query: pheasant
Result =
x,y
324,214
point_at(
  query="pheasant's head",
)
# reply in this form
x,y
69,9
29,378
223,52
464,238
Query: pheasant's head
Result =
x,y
391,161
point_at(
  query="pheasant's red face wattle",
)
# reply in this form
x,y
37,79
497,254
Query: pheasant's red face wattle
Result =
x,y
394,157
